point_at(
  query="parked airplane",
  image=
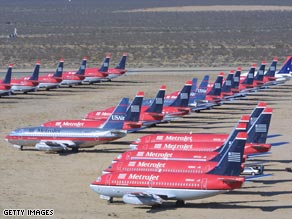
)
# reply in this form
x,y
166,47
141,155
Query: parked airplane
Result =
x,y
95,75
26,84
131,120
284,74
119,70
60,139
52,80
174,166
73,78
152,188
5,86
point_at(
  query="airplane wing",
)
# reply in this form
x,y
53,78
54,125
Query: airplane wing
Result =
x,y
57,145
144,199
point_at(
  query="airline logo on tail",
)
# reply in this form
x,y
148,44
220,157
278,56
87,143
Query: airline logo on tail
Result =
x,y
234,157
261,128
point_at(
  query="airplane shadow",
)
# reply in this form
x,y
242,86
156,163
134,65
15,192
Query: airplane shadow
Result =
x,y
223,205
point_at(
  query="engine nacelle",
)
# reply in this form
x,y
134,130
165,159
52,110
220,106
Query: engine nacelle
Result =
x,y
142,199
42,146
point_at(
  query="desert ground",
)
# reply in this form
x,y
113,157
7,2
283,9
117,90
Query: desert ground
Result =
x,y
33,179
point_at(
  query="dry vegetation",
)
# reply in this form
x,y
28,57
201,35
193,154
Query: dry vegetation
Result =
x,y
54,29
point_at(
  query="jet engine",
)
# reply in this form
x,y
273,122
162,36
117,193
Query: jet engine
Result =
x,y
142,199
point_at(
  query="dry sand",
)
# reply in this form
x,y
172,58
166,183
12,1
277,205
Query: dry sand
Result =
x,y
32,179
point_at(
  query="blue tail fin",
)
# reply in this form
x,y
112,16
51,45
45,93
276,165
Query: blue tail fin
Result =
x,y
256,113
104,66
7,78
230,162
258,132
157,104
59,70
193,90
260,74
117,118
226,87
82,67
202,90
36,71
122,63
250,76
272,69
236,79
217,86
133,111
182,99
287,67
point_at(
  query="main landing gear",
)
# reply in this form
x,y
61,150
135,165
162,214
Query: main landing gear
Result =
x,y
111,200
180,203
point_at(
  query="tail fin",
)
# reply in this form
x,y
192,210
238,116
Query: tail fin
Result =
x,y
36,71
157,104
230,162
193,90
182,99
236,79
133,111
272,69
287,67
256,112
117,118
258,132
122,63
104,66
82,67
250,76
59,70
239,127
217,86
202,90
260,74
226,87
7,78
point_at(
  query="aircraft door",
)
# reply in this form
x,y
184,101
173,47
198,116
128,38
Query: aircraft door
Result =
x,y
204,182
150,184
108,179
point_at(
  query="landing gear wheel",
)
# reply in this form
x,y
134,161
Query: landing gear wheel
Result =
x,y
111,200
75,150
21,147
180,203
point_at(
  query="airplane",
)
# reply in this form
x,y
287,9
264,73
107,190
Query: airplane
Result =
x,y
52,80
284,74
26,84
258,128
5,86
74,78
56,139
95,75
131,120
181,166
269,76
153,188
119,70
149,116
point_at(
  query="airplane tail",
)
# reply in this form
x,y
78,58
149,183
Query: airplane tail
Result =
x,y
287,67
36,71
236,79
217,86
104,66
226,87
157,104
256,113
122,63
258,132
182,99
260,74
230,162
250,76
59,70
7,78
201,91
272,69
193,91
82,67
116,119
133,111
